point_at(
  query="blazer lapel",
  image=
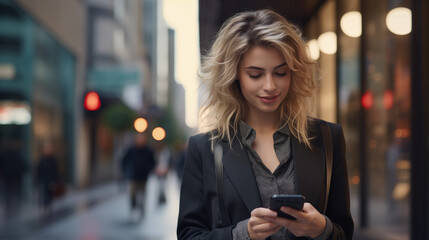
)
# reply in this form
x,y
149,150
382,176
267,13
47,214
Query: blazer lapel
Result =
x,y
310,172
239,169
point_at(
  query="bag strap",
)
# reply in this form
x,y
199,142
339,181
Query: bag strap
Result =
x,y
218,152
327,139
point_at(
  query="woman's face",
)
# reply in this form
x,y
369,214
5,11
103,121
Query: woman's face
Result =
x,y
264,79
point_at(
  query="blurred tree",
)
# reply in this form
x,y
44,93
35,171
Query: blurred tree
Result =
x,y
118,117
175,133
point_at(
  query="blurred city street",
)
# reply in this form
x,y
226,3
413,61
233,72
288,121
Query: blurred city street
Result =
x,y
99,213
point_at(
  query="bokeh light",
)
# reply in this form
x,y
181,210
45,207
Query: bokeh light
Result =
x,y
351,24
328,42
140,124
367,100
398,21
92,101
313,48
158,133
388,99
355,180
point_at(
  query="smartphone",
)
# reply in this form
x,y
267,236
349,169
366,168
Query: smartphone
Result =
x,y
293,201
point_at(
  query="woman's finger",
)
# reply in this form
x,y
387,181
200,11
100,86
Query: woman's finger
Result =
x,y
309,222
265,227
292,212
263,212
264,230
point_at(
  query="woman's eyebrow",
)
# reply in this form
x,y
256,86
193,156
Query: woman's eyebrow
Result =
x,y
261,69
255,68
281,65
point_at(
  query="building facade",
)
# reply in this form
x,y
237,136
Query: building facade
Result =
x,y
53,53
42,69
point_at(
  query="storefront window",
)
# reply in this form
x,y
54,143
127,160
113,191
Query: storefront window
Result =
x,y
349,85
36,90
53,97
15,107
378,93
386,102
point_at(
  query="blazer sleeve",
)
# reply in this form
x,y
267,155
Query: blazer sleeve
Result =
x,y
338,208
196,206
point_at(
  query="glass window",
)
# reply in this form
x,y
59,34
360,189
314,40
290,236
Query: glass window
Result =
x,y
53,97
387,70
385,101
349,84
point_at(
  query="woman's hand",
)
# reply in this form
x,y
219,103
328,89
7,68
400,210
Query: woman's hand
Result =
x,y
259,227
309,222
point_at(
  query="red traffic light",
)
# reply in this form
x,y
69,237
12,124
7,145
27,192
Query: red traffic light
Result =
x,y
92,101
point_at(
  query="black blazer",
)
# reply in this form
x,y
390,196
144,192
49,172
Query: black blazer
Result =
x,y
199,216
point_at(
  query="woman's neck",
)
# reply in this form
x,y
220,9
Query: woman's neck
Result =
x,y
263,123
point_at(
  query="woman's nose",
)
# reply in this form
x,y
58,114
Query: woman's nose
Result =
x,y
269,83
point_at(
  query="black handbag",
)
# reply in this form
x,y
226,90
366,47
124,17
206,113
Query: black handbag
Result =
x,y
218,152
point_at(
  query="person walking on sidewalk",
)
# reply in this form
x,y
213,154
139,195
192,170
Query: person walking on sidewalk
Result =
x,y
47,176
163,157
137,164
261,85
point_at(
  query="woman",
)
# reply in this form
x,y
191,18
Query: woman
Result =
x,y
260,84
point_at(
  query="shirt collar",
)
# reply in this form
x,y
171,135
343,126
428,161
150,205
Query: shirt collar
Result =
x,y
284,129
248,133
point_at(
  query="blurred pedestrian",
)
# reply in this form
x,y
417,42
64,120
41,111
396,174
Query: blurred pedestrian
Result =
x,y
47,176
137,163
12,170
179,162
163,157
261,85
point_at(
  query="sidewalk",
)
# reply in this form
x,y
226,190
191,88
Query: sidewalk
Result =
x,y
102,212
31,217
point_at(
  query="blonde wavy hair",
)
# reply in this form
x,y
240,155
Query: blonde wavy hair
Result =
x,y
225,104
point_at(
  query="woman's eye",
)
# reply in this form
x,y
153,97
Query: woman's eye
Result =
x,y
255,75
281,74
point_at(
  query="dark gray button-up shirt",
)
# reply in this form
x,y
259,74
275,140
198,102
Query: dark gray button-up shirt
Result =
x,y
282,180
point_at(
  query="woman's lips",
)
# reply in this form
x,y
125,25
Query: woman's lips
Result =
x,y
269,99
